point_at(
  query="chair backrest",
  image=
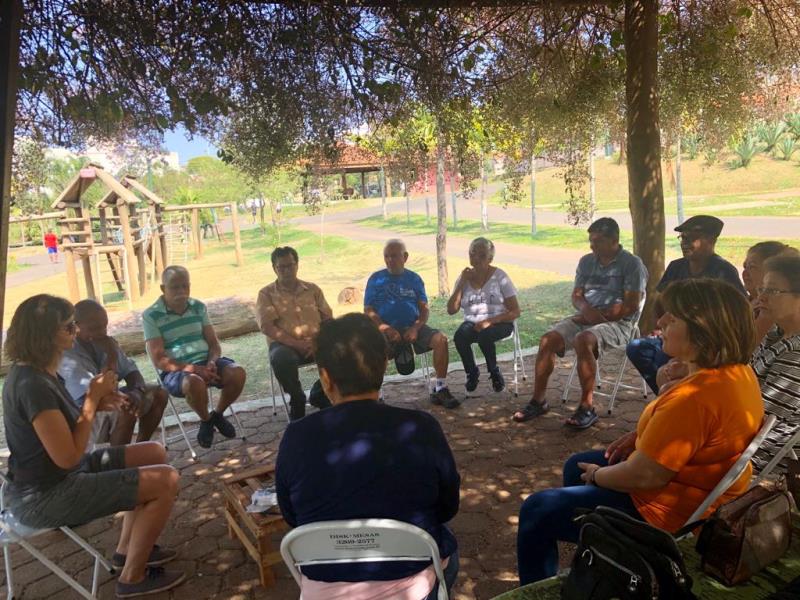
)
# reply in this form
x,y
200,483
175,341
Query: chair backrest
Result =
x,y
359,540
736,470
786,449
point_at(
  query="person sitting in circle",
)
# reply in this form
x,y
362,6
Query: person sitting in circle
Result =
x,y
777,359
686,439
52,482
489,301
363,459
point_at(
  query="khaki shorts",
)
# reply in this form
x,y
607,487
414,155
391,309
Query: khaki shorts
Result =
x,y
614,334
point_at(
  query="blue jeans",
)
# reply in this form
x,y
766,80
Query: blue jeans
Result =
x,y
450,574
647,356
546,517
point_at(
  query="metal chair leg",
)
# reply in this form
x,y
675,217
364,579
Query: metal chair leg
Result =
x,y
182,428
569,382
238,422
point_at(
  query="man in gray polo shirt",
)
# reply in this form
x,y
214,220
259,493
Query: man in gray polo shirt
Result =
x,y
608,294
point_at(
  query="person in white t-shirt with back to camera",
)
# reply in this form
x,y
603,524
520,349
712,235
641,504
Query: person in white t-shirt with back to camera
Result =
x,y
489,300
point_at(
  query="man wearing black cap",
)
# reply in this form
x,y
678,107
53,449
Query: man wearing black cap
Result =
x,y
698,236
608,295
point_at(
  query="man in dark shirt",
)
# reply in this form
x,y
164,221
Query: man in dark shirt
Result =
x,y
362,459
698,236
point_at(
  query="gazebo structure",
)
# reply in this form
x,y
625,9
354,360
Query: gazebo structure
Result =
x,y
120,236
353,159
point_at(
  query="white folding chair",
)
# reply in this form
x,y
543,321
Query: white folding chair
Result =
x,y
736,470
14,532
273,379
184,433
616,382
519,363
360,540
786,450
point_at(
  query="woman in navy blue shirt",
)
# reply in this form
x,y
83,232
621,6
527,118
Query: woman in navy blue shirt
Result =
x,y
363,459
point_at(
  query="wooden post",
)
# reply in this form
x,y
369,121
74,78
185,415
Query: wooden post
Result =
x,y
237,239
156,242
86,263
344,182
129,259
198,246
72,275
363,185
98,279
387,184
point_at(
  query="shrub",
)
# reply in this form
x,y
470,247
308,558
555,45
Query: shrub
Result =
x,y
770,134
745,150
786,147
793,124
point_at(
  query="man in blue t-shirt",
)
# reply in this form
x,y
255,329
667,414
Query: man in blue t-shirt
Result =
x,y
698,236
395,300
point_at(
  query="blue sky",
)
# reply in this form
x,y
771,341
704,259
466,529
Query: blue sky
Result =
x,y
178,141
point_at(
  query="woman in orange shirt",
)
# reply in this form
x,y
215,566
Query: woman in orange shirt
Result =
x,y
685,441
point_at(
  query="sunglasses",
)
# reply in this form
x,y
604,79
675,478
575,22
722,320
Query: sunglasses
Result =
x,y
762,291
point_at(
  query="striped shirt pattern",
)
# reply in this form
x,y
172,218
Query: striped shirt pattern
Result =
x,y
777,366
182,333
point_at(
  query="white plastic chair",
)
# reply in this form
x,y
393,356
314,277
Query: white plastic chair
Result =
x,y
184,433
14,532
360,540
736,470
519,363
786,450
616,382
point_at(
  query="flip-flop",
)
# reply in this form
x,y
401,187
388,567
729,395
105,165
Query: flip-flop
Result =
x,y
530,411
583,417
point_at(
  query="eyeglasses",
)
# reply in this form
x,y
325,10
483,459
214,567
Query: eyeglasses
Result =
x,y
70,327
762,291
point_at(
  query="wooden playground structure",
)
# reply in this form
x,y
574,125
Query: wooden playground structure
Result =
x,y
127,232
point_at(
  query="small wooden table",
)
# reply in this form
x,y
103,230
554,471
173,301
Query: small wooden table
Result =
x,y
254,529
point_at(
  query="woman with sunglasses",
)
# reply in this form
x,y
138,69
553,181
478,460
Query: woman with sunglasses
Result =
x,y
777,359
52,480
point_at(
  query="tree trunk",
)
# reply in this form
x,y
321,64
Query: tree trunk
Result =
x,y
678,181
645,187
441,222
382,181
408,203
453,194
592,181
533,194
484,207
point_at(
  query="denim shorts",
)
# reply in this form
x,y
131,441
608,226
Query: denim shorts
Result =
x,y
99,486
172,381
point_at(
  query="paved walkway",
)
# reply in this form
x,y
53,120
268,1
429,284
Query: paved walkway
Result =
x,y
500,462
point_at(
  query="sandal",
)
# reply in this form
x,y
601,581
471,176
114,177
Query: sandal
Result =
x,y
530,411
582,418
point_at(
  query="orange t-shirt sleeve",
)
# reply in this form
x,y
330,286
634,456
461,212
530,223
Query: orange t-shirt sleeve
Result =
x,y
677,429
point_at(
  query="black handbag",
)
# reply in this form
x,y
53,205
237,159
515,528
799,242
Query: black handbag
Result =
x,y
622,557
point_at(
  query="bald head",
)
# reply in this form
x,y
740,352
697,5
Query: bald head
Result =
x,y
395,256
175,286
91,320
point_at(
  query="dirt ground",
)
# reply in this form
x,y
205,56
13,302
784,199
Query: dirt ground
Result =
x,y
501,463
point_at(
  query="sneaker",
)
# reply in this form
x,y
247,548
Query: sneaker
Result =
x,y
472,380
498,383
444,398
205,435
156,579
158,556
222,424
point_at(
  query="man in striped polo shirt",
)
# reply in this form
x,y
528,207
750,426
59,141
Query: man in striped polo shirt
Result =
x,y
184,348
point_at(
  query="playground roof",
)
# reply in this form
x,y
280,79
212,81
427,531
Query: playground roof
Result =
x,y
352,159
84,178
130,181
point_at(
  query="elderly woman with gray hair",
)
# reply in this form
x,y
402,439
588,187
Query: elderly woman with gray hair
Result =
x,y
489,301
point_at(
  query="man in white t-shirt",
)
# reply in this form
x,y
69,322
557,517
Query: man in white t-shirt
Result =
x,y
489,301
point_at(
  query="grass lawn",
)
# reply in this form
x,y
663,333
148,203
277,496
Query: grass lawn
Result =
x,y
733,249
766,181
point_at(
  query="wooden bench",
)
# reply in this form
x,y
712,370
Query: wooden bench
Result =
x,y
254,530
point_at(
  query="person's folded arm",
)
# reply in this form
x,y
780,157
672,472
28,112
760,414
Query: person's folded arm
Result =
x,y
160,359
639,472
590,314
375,317
629,306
